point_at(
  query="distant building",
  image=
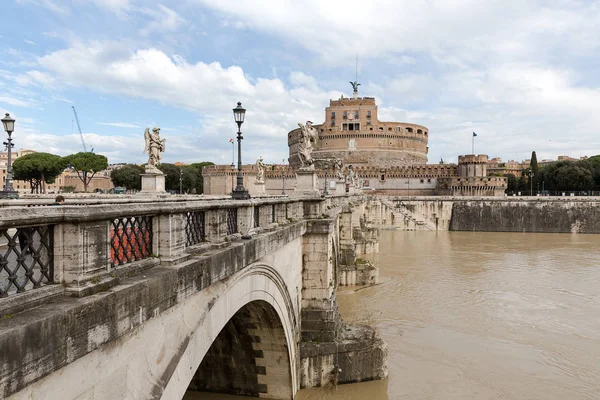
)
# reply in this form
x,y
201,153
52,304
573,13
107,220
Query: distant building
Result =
x,y
388,157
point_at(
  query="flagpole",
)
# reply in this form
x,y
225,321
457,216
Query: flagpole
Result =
x,y
473,145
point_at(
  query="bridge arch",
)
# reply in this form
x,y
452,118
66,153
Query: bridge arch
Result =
x,y
255,311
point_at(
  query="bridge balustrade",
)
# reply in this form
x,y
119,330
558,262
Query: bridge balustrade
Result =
x,y
195,228
88,246
26,260
130,239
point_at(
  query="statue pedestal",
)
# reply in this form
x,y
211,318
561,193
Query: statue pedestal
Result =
x,y
340,187
153,183
306,183
259,189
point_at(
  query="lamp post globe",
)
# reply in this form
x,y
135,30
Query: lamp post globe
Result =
x,y
239,192
8,123
9,126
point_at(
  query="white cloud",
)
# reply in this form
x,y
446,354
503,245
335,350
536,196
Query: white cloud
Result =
x,y
118,7
48,5
120,124
450,30
164,20
212,90
16,102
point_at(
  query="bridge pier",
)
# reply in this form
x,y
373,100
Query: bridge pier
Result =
x,y
332,352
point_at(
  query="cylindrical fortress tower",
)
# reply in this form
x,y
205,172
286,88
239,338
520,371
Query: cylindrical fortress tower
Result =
x,y
472,165
353,133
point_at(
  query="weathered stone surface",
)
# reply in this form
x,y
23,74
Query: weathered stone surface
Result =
x,y
141,330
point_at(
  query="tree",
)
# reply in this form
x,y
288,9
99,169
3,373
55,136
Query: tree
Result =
x,y
534,176
199,178
86,165
38,168
522,183
174,172
512,183
128,176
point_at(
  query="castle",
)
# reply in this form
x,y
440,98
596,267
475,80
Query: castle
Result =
x,y
388,157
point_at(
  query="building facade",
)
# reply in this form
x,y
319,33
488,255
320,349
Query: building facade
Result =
x,y
353,132
389,158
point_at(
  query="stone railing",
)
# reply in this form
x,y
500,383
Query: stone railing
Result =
x,y
78,250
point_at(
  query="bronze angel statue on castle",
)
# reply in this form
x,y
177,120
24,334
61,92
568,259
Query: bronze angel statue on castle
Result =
x,y
154,147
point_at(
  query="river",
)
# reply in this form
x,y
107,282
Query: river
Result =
x,y
480,316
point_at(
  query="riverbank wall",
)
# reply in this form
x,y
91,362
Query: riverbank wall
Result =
x,y
507,214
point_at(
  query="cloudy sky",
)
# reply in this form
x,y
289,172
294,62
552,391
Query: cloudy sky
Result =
x,y
522,74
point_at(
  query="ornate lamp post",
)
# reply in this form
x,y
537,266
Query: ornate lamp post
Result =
x,y
181,180
240,192
9,127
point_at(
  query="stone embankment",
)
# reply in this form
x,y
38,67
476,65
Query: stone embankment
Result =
x,y
488,214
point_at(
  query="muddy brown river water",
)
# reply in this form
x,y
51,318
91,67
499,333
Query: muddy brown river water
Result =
x,y
480,316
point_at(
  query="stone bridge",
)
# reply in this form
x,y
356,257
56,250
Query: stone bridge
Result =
x,y
147,298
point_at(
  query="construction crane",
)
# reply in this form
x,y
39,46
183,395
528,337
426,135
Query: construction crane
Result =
x,y
79,127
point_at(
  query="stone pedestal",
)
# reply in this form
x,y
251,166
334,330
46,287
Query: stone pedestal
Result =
x,y
306,183
259,189
153,183
340,187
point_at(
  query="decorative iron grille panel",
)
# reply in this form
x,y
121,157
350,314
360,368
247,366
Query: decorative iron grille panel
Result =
x,y
273,216
130,239
256,216
26,258
231,221
194,228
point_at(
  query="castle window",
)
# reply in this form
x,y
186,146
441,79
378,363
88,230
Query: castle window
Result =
x,y
370,129
345,115
381,128
383,177
428,180
390,129
409,130
419,131
368,122
422,181
332,122
368,114
399,129
333,115
355,114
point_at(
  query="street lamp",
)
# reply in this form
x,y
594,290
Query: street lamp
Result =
x,y
9,127
240,192
180,180
232,173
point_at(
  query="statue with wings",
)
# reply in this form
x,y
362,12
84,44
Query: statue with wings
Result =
x,y
154,147
355,86
308,140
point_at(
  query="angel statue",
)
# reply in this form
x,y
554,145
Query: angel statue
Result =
x,y
352,177
154,147
355,86
338,165
308,139
260,170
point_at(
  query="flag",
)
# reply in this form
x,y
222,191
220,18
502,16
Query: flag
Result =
x,y
474,134
231,140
